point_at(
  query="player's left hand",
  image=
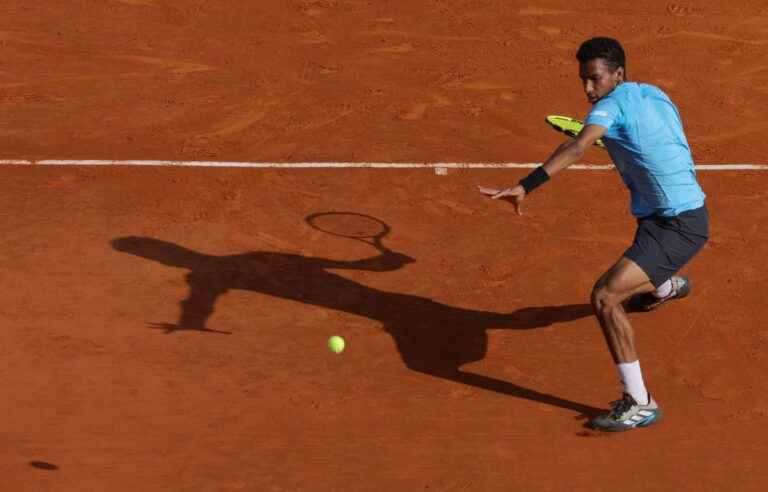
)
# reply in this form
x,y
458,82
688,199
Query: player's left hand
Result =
x,y
515,195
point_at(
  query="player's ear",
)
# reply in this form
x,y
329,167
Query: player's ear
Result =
x,y
619,74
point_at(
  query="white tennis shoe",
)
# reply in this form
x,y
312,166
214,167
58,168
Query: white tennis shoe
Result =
x,y
627,414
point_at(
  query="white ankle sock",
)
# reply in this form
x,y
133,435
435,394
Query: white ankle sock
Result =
x,y
632,378
664,289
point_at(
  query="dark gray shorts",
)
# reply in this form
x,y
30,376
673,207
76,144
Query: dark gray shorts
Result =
x,y
663,245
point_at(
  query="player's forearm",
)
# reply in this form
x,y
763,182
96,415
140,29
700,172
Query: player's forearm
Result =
x,y
566,154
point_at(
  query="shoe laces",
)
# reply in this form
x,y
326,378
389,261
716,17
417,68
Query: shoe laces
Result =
x,y
620,407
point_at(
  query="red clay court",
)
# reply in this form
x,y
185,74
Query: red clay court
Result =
x,y
472,368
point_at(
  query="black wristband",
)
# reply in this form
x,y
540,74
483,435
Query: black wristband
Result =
x,y
537,178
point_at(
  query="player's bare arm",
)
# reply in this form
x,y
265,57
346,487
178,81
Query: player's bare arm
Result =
x,y
568,153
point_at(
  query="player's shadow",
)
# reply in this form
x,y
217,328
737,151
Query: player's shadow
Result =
x,y
432,338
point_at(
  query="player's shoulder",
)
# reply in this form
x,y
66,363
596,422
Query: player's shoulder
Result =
x,y
632,94
629,90
646,91
619,96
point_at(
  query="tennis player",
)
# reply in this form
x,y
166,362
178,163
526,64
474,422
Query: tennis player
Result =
x,y
642,130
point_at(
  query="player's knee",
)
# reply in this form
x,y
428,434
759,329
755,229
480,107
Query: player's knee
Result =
x,y
596,298
598,293
599,285
603,300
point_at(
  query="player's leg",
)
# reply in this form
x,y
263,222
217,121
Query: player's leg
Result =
x,y
662,247
622,281
636,408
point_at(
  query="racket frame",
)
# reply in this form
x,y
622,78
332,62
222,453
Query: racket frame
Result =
x,y
374,240
553,121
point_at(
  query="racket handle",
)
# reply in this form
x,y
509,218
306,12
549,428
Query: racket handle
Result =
x,y
380,247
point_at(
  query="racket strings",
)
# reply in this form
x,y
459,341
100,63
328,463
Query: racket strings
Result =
x,y
348,225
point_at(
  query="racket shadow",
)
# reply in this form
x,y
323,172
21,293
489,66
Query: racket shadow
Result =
x,y
431,337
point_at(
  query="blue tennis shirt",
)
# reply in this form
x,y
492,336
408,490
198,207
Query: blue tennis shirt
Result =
x,y
646,142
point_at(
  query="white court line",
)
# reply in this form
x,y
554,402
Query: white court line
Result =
x,y
336,165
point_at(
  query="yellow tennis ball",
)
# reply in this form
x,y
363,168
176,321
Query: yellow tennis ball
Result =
x,y
336,344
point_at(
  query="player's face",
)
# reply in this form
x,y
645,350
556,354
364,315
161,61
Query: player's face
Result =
x,y
599,79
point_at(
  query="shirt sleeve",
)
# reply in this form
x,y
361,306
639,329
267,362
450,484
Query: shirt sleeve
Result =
x,y
605,113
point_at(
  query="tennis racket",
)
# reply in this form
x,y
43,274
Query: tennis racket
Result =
x,y
350,225
570,126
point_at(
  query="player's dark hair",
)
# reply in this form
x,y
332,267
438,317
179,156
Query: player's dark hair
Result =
x,y
606,48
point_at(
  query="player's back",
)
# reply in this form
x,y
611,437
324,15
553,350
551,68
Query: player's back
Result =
x,y
647,143
662,143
